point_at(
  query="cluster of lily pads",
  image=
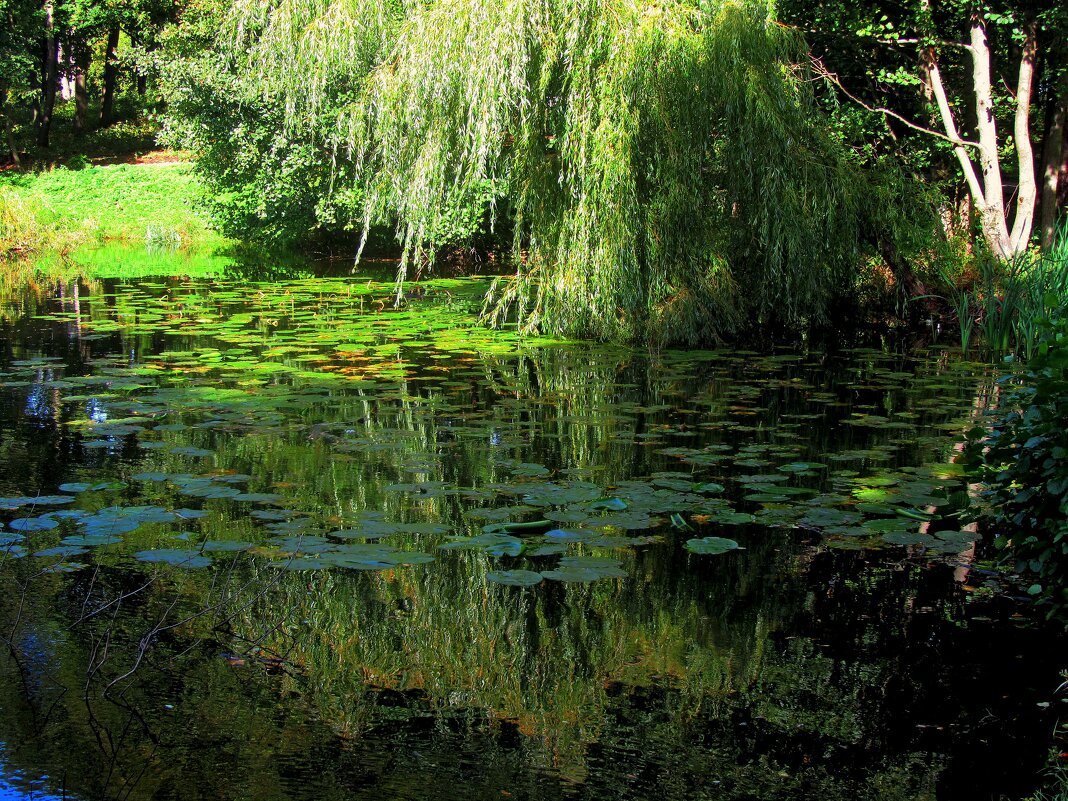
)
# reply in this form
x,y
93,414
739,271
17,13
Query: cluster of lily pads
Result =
x,y
326,366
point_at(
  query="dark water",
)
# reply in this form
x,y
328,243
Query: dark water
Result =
x,y
223,574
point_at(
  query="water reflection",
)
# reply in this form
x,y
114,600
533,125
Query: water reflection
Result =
x,y
814,663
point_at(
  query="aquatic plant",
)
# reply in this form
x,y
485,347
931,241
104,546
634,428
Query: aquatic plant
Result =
x,y
1008,300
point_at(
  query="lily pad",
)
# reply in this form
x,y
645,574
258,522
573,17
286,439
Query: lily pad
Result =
x,y
78,487
906,538
62,551
91,540
187,450
582,574
493,544
225,546
515,578
801,467
178,557
733,518
711,545
33,523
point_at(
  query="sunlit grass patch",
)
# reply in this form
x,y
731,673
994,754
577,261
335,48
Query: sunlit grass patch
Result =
x,y
63,209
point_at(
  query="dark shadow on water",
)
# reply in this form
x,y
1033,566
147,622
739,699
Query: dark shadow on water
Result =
x,y
259,426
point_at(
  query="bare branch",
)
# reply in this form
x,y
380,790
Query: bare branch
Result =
x,y
953,138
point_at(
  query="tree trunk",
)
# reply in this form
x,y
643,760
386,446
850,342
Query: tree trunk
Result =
x,y
11,146
111,75
988,193
1054,156
903,273
992,206
1027,191
82,56
8,134
49,76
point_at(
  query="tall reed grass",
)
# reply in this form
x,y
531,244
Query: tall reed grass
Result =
x,y
1001,309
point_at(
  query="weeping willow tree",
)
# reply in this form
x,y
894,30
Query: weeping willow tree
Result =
x,y
661,163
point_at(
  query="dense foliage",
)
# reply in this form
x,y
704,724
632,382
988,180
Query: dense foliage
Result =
x,y
971,96
1024,460
78,53
662,170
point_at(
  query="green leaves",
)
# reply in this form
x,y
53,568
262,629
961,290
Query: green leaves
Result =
x,y
1023,458
586,121
515,578
711,545
177,557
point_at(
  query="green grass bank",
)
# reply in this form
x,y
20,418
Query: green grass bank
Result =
x,y
62,210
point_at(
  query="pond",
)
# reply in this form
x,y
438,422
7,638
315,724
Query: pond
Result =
x,y
279,539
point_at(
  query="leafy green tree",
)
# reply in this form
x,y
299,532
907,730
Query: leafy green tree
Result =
x,y
44,41
948,83
664,167
20,23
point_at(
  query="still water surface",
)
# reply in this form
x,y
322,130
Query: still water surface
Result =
x,y
275,540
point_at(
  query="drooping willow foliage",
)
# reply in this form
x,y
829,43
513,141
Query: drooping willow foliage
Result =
x,y
663,166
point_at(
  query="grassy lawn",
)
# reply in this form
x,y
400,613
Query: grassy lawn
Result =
x,y
159,204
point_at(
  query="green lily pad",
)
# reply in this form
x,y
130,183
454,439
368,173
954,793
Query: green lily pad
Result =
x,y
62,551
187,450
957,537
733,518
582,574
298,563
710,487
906,538
33,523
801,467
78,487
494,544
515,578
590,562
822,518
225,546
887,524
547,550
91,540
711,545
210,491
174,556
258,497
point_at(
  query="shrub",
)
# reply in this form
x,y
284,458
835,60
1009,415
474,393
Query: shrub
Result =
x,y
1023,459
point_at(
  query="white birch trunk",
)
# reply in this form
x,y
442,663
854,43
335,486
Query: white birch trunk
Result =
x,y
1027,192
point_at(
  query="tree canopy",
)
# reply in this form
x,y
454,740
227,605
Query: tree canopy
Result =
x,y
662,168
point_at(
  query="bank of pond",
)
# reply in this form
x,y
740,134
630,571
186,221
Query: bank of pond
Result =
x,y
288,539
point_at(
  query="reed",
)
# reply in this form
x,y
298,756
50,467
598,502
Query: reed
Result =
x,y
1008,301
